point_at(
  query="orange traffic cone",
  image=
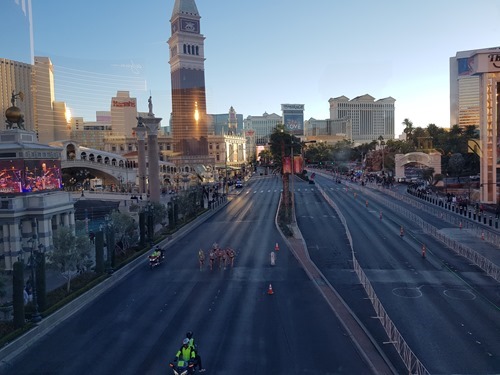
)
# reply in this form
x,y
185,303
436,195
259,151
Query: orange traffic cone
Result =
x,y
276,247
270,290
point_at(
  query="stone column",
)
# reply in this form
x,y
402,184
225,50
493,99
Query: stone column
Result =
x,y
151,124
44,232
65,217
14,241
140,133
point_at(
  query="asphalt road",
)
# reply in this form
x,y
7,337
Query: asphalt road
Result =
x,y
446,309
137,326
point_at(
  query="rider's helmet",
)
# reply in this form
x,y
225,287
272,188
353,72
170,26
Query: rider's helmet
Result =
x,y
185,341
189,335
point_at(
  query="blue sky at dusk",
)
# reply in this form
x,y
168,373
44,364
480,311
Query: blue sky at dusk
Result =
x,y
260,53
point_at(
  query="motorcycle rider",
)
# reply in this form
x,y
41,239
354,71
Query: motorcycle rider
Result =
x,y
189,336
186,352
156,253
161,251
155,256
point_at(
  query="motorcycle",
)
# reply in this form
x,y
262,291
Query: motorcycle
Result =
x,y
155,260
182,367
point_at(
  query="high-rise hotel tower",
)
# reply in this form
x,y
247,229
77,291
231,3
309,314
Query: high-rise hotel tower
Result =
x,y
189,111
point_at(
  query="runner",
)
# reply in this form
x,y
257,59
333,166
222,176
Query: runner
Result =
x,y
201,258
212,256
230,256
220,256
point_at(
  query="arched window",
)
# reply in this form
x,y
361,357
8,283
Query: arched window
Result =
x,y
121,163
91,157
106,160
83,156
99,158
70,152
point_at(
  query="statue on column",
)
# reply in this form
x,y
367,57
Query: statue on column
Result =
x,y
150,105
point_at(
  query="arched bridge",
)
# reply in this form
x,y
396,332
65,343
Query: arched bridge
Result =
x,y
431,160
111,174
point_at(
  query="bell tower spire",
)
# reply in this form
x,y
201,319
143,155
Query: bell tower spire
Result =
x,y
187,72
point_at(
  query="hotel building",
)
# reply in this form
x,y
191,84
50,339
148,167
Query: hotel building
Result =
x,y
369,118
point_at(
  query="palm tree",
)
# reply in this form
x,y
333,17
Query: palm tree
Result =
x,y
408,128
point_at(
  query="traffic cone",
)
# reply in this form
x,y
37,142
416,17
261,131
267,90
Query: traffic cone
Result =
x,y
423,251
270,290
276,247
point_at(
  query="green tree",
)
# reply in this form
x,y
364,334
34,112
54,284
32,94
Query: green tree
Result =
x,y
125,229
408,130
3,293
318,152
456,164
83,246
265,157
66,257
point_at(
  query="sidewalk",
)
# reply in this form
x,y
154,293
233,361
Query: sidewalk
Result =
x,y
53,280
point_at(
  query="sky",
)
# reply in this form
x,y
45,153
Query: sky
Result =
x,y
260,53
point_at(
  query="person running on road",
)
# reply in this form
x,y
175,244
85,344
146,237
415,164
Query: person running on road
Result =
x,y
230,256
220,256
201,258
212,256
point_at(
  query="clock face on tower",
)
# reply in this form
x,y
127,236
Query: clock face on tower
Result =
x,y
190,26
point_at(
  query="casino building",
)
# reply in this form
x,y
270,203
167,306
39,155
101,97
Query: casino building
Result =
x,y
475,100
32,205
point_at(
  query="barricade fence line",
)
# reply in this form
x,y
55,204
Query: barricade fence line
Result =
x,y
477,259
489,236
409,358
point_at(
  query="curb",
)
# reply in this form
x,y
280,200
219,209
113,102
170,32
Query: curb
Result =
x,y
16,347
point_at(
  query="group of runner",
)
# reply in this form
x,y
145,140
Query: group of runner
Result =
x,y
217,256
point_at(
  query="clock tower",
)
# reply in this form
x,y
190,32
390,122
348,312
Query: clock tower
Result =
x,y
189,110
